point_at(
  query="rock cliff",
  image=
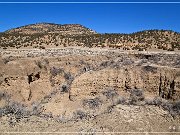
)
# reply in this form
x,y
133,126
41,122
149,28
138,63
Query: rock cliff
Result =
x,y
62,79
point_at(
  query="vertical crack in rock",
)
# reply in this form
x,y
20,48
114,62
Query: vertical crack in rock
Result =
x,y
166,87
171,91
127,80
30,78
160,85
69,79
37,76
30,95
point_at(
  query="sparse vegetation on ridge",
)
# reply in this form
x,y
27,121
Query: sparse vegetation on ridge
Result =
x,y
44,35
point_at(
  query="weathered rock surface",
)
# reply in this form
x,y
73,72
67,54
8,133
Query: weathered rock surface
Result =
x,y
80,83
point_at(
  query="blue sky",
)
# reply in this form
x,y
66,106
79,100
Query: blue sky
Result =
x,y
110,18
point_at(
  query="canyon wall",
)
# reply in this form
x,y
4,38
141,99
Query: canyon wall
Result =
x,y
61,80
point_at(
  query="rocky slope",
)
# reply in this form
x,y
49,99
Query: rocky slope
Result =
x,y
122,120
47,35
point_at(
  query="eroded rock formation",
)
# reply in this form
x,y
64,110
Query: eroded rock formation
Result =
x,y
62,82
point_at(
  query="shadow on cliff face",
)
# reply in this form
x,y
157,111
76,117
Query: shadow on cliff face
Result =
x,y
33,77
150,69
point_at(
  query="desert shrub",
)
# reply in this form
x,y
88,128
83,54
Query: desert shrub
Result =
x,y
142,61
15,112
158,101
155,58
122,62
109,109
1,112
82,62
127,62
52,81
177,62
149,102
110,93
1,79
136,95
86,68
46,116
42,63
175,108
7,59
46,61
64,88
68,76
136,92
150,69
16,109
121,100
36,109
92,103
79,114
46,98
54,92
172,107
12,120
4,95
106,63
62,118
55,71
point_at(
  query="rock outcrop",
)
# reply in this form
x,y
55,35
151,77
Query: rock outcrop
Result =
x,y
62,82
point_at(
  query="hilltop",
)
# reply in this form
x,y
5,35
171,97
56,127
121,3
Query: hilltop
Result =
x,y
39,28
49,35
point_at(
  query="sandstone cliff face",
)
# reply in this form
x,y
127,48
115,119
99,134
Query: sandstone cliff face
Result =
x,y
61,83
161,83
